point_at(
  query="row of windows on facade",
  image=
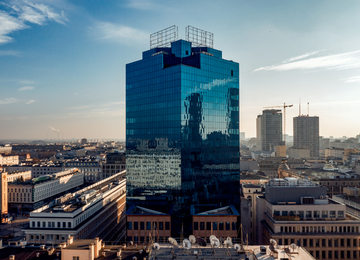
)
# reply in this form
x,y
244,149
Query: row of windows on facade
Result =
x,y
331,243
318,229
48,237
50,224
141,225
311,214
335,254
19,190
215,225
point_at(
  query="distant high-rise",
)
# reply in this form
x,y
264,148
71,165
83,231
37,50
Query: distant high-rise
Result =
x,y
269,130
306,134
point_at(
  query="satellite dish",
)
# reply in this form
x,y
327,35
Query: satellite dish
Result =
x,y
192,239
131,242
215,242
212,237
200,241
273,242
186,244
293,246
173,241
156,246
228,243
229,239
237,247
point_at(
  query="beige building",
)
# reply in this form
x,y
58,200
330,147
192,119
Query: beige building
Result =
x,y
81,249
23,175
4,194
300,212
9,159
250,192
298,153
334,153
280,151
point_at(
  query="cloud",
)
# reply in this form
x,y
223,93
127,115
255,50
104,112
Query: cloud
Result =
x,y
340,61
8,101
301,56
352,79
22,12
9,24
30,102
118,33
26,88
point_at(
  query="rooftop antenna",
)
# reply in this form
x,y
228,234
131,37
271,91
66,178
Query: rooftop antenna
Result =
x,y
299,106
308,108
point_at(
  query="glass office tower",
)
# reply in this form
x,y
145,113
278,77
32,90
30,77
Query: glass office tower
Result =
x,y
182,127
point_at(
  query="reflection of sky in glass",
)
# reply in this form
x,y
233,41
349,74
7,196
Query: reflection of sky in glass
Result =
x,y
190,100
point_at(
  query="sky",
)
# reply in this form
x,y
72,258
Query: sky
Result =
x,y
62,63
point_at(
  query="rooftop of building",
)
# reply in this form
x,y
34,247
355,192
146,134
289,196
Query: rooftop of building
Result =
x,y
81,244
250,185
291,182
209,210
28,253
137,210
167,251
73,201
46,178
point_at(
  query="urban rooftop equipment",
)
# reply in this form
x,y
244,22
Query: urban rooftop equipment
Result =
x,y
198,37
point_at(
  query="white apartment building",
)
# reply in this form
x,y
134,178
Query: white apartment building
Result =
x,y
9,159
95,211
334,153
38,189
299,211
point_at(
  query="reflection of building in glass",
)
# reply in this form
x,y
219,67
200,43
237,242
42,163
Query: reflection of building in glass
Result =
x,y
182,127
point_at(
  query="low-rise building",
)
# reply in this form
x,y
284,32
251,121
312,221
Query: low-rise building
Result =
x,y
300,212
221,222
9,159
144,224
95,211
298,153
36,190
41,170
334,153
115,162
92,169
23,176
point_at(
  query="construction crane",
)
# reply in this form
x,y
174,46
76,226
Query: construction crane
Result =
x,y
284,107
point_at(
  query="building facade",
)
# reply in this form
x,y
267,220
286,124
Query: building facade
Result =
x,y
300,212
306,134
182,124
95,211
9,160
269,129
36,190
115,162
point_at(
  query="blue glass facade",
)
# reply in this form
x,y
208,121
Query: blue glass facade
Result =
x,y
182,125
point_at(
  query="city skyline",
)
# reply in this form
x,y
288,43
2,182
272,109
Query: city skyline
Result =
x,y
63,64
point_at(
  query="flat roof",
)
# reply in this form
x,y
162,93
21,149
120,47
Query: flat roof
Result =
x,y
228,210
81,244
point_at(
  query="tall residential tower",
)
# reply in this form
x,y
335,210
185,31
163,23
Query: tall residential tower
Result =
x,y
306,134
269,130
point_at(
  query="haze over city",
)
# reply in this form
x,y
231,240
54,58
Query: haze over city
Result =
x,y
63,63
